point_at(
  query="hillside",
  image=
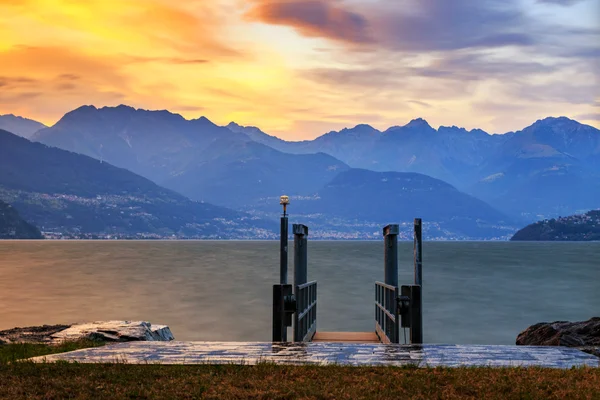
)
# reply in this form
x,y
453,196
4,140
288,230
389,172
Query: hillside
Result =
x,y
247,175
20,126
366,200
196,158
154,144
547,169
550,168
583,227
60,191
12,226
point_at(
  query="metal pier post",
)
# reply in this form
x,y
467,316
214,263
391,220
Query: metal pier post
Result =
x,y
416,328
300,254
390,255
283,301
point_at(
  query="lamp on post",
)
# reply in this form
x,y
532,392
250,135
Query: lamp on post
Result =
x,y
284,201
283,252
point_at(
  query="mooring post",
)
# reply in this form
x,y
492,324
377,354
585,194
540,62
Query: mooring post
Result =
x,y
416,315
282,293
416,329
283,243
300,254
390,255
418,252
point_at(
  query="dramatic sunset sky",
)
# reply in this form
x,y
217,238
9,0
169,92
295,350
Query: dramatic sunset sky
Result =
x,y
299,68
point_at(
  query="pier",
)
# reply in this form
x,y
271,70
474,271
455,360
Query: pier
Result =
x,y
395,340
396,307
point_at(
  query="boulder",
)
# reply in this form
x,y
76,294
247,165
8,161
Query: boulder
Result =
x,y
110,331
562,333
115,331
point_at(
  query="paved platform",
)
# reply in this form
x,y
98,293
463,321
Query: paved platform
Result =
x,y
329,353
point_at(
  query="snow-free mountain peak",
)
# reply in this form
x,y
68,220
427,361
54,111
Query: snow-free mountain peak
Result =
x,y
23,127
419,123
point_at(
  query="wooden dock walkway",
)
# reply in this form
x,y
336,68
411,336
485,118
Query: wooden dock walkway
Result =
x,y
346,337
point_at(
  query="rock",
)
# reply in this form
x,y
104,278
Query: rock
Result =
x,y
111,331
115,331
562,333
32,334
591,349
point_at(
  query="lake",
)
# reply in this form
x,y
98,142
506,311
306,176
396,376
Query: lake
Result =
x,y
473,292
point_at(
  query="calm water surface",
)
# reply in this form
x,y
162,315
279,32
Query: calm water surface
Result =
x,y
474,292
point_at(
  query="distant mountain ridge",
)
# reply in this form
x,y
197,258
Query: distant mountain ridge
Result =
x,y
194,157
154,144
20,126
548,169
65,192
551,167
362,197
244,175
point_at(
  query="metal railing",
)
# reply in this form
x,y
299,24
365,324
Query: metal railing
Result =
x,y
305,318
387,319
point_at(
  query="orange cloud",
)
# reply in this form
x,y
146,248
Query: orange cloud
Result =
x,y
210,57
43,81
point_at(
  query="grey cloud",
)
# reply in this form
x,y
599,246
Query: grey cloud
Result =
x,y
189,108
11,98
368,77
420,103
479,67
168,60
65,86
560,2
436,24
11,82
558,91
588,117
69,77
314,18
450,25
459,67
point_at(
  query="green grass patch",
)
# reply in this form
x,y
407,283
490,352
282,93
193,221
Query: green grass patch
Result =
x,y
19,351
268,381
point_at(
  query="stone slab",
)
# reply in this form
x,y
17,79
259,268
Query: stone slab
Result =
x,y
247,353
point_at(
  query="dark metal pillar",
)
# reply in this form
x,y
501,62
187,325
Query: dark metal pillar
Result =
x,y
390,256
416,315
283,299
418,252
300,254
283,305
283,251
416,331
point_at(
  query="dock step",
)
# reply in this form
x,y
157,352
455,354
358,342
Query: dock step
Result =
x,y
346,337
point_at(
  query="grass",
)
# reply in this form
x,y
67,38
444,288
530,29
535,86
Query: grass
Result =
x,y
18,351
268,381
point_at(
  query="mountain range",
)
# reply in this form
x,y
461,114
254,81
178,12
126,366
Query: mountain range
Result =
x,y
20,126
66,193
550,168
469,184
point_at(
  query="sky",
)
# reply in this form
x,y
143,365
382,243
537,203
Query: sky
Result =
x,y
300,68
